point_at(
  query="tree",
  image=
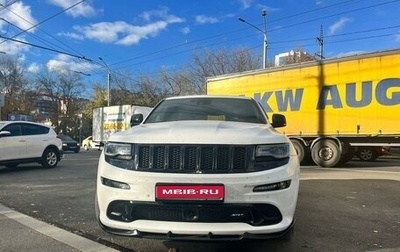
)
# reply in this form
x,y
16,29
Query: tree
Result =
x,y
139,90
148,91
18,98
62,93
212,63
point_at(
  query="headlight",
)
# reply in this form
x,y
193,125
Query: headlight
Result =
x,y
273,150
118,150
119,155
270,156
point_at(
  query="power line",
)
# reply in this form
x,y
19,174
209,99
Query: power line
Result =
x,y
238,30
337,35
274,43
37,26
46,48
169,49
4,6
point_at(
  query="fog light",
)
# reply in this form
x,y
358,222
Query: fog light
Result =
x,y
272,187
115,184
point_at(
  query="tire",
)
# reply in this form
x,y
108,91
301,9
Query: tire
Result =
x,y
303,152
367,154
50,158
300,149
326,153
347,154
76,151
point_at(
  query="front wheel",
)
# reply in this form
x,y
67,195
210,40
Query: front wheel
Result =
x,y
50,158
326,153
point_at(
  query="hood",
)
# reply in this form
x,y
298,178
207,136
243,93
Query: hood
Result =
x,y
200,132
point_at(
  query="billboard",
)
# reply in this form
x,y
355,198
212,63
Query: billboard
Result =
x,y
19,117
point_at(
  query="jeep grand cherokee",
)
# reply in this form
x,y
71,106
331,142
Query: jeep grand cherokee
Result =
x,y
199,168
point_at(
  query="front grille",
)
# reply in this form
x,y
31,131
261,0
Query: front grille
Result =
x,y
196,159
252,214
193,158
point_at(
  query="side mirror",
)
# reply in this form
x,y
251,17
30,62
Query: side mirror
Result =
x,y
5,133
278,120
136,119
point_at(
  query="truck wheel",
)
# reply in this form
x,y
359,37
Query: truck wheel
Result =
x,y
367,154
348,153
326,153
300,149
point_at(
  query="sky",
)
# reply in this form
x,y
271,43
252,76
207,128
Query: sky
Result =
x,y
93,37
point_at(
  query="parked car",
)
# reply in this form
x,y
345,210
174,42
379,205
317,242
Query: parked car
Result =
x,y
371,153
88,144
69,144
28,142
199,168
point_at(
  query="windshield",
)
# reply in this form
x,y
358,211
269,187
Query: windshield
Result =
x,y
65,137
206,108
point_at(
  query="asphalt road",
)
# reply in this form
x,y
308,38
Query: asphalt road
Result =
x,y
351,208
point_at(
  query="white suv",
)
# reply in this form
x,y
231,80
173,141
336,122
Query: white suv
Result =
x,y
28,142
199,168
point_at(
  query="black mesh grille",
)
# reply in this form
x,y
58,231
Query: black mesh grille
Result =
x,y
206,162
239,159
174,158
253,214
144,156
193,158
190,158
159,157
223,161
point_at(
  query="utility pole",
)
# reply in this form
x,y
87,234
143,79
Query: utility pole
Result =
x,y
108,82
2,102
264,32
264,14
320,41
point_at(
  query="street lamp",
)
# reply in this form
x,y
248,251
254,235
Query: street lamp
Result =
x,y
108,81
265,46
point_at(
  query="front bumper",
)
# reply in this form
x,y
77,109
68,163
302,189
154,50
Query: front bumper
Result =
x,y
204,237
238,192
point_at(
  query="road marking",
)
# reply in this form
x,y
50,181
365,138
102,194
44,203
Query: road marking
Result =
x,y
70,239
346,174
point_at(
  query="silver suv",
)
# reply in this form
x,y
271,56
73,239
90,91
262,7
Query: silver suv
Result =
x,y
28,142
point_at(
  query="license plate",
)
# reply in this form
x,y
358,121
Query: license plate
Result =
x,y
195,192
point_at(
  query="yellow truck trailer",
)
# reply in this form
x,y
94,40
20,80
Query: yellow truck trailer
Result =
x,y
334,108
